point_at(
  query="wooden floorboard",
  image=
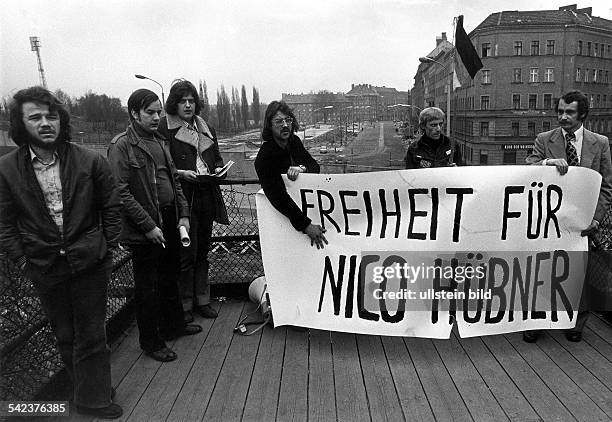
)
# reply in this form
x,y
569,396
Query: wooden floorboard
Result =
x,y
506,393
191,403
156,403
477,397
321,396
412,398
262,398
351,398
567,392
446,402
287,374
380,389
599,393
543,401
293,395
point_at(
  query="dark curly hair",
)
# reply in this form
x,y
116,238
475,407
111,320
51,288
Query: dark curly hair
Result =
x,y
580,98
40,95
273,108
178,90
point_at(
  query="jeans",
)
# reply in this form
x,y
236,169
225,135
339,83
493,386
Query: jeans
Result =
x,y
158,307
194,287
75,305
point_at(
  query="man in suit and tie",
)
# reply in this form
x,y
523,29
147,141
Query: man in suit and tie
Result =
x,y
572,144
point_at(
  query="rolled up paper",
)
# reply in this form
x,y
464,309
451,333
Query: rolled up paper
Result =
x,y
185,240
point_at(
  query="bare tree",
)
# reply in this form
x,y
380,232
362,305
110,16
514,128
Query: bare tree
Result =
x,y
244,106
223,109
255,111
205,105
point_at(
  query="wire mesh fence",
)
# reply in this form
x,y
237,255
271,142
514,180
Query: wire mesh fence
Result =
x,y
28,354
235,255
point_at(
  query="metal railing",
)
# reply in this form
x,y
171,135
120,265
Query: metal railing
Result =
x,y
28,356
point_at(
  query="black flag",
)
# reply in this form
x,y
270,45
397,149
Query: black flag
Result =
x,y
466,50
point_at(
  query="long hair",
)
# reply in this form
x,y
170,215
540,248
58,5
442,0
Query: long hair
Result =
x,y
40,95
273,108
180,89
580,98
140,99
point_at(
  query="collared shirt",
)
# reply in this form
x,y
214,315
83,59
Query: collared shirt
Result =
x,y
579,133
197,134
48,176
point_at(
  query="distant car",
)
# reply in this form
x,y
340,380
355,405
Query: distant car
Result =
x,y
323,149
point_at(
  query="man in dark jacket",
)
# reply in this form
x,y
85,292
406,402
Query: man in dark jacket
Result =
x,y
59,218
154,209
283,152
433,148
194,148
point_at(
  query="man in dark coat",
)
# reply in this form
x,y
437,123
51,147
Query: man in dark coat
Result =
x,y
282,152
154,210
194,148
59,218
433,148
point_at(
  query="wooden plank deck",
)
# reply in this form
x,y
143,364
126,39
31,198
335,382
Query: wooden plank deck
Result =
x,y
312,375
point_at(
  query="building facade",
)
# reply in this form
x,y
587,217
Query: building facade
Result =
x,y
530,59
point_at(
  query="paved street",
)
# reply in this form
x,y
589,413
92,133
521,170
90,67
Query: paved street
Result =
x,y
376,145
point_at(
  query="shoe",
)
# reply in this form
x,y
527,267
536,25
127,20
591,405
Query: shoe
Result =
x,y
573,336
112,411
165,354
187,330
531,336
207,311
187,317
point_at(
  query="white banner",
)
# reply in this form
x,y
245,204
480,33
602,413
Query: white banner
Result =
x,y
496,249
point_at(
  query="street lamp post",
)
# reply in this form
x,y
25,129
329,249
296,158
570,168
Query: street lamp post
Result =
x,y
160,86
448,90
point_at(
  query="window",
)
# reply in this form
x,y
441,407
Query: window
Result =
x,y
516,101
484,157
604,103
486,76
594,75
535,48
547,101
550,47
606,77
509,157
484,102
580,48
578,75
484,128
533,101
518,76
518,48
549,76
545,126
531,129
534,74
598,100
586,75
588,49
486,49
515,129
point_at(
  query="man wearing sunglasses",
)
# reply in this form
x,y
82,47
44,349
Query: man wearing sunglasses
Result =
x,y
282,152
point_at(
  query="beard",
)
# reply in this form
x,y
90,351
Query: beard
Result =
x,y
35,142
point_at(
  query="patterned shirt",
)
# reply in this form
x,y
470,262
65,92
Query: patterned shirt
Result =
x,y
48,176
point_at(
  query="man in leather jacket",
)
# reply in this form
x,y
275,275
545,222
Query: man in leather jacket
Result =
x,y
433,148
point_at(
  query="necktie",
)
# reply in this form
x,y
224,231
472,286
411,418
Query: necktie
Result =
x,y
570,149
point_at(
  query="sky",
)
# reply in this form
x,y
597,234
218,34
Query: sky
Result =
x,y
276,46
